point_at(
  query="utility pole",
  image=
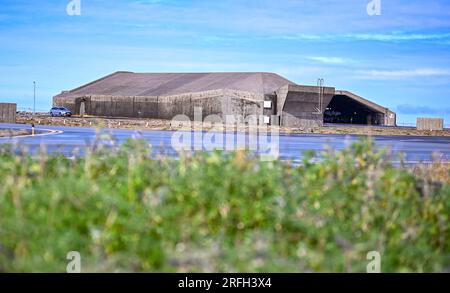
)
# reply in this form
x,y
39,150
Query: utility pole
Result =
x,y
34,98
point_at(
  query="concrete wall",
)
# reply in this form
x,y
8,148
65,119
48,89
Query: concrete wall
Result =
x,y
217,102
390,118
8,112
430,124
302,122
298,106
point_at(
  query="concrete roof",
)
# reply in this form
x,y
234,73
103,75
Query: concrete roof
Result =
x,y
123,83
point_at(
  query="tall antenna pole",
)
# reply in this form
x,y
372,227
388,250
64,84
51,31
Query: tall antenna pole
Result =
x,y
320,83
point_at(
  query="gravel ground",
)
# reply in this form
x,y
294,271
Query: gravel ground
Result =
x,y
159,124
13,132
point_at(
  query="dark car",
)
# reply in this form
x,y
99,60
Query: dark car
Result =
x,y
60,111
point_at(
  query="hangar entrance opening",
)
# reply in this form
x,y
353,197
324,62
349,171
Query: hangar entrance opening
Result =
x,y
345,110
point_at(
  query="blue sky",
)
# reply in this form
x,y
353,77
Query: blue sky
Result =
x,y
400,59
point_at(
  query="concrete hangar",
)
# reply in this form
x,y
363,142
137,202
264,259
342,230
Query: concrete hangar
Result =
x,y
165,95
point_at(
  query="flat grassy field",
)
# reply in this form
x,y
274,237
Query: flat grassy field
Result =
x,y
221,212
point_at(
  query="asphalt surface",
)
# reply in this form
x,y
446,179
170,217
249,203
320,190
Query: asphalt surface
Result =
x,y
71,141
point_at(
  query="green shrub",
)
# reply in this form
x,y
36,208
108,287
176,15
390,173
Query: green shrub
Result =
x,y
214,212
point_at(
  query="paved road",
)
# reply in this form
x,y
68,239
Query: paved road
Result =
x,y
68,140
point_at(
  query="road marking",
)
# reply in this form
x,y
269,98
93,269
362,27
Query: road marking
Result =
x,y
50,132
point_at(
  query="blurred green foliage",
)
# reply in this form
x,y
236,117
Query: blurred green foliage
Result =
x,y
219,212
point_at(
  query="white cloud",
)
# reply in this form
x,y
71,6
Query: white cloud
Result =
x,y
401,74
393,37
327,60
397,37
